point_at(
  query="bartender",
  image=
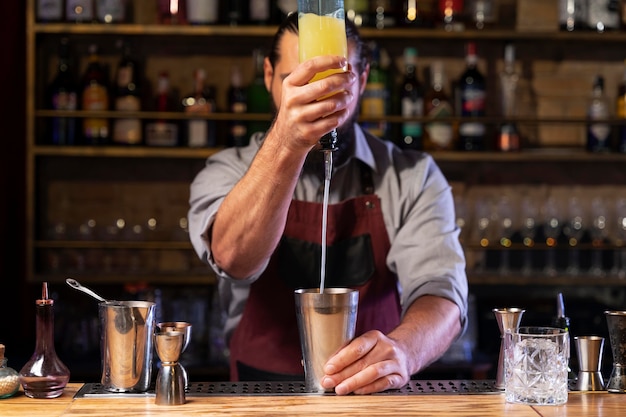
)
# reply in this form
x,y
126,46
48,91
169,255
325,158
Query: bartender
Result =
x,y
255,218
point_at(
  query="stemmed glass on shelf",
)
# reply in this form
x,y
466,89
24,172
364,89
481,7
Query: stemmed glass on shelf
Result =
x,y
618,236
528,231
552,226
599,234
505,213
574,229
482,211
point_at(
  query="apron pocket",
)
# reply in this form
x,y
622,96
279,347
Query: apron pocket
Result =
x,y
349,262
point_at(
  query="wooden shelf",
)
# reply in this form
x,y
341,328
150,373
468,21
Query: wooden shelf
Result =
x,y
540,279
366,32
190,278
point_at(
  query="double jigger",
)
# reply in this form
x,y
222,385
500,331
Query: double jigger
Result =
x,y
170,340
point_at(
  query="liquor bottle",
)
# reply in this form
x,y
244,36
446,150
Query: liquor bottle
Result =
x,y
419,13
602,15
63,96
237,103
411,102
260,12
598,132
373,102
471,96
95,97
202,12
285,7
79,11
127,131
621,113
49,10
44,375
172,12
162,132
234,12
438,135
483,13
357,11
572,15
508,138
383,13
259,100
451,15
114,11
201,101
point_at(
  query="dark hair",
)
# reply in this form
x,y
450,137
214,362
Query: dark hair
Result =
x,y
290,24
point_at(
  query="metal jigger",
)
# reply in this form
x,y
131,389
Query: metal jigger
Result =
x,y
170,382
508,319
589,349
616,321
178,326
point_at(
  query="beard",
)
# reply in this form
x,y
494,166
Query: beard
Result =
x,y
345,148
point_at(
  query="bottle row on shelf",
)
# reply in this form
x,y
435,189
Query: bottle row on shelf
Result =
x,y
434,113
131,92
451,15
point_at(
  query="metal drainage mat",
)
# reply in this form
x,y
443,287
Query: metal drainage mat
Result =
x,y
222,389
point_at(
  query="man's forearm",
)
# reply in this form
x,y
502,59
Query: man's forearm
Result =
x,y
250,221
428,328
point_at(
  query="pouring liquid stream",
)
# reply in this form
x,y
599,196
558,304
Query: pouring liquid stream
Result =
x,y
328,170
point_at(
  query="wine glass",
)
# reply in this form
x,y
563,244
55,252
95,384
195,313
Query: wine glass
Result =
x,y
505,214
552,226
573,229
599,233
462,216
619,238
528,231
482,228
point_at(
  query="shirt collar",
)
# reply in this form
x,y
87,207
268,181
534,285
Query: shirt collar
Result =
x,y
362,149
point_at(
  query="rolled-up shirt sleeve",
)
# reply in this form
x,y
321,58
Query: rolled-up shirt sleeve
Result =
x,y
425,251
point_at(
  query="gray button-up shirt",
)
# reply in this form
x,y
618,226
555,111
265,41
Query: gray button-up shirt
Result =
x,y
417,206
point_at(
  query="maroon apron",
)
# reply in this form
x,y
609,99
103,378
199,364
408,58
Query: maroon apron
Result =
x,y
266,344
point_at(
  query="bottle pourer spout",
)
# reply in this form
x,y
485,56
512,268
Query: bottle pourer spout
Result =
x,y
329,141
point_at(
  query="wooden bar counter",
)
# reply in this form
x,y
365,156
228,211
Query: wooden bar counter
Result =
x,y
479,405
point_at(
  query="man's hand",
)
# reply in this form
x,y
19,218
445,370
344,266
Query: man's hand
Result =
x,y
375,362
310,110
370,363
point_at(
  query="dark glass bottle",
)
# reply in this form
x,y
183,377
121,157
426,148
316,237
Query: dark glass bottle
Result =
x,y
63,96
237,103
258,97
598,131
411,102
127,131
374,100
418,13
357,11
572,15
451,15
471,98
79,11
438,134
508,137
49,10
95,97
234,12
44,375
621,113
383,14
200,131
162,132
